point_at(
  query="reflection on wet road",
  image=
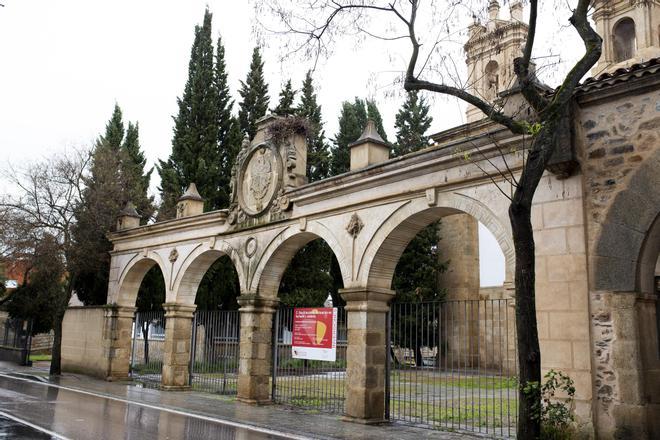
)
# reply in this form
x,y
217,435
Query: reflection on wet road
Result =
x,y
77,415
11,429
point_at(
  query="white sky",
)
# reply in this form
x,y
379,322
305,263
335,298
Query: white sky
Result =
x,y
63,65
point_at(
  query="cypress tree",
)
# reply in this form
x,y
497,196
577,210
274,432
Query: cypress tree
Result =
x,y
318,156
116,176
350,128
135,180
411,123
229,133
352,121
254,95
195,155
287,96
374,115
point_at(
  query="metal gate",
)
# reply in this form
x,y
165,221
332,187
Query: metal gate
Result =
x,y
148,347
15,340
310,384
452,365
214,354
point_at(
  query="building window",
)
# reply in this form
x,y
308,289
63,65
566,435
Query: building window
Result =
x,y
625,43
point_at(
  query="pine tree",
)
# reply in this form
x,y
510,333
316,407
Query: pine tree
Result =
x,y
254,95
287,97
411,123
195,156
318,156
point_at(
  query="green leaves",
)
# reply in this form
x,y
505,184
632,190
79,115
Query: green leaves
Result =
x,y
411,123
254,96
554,411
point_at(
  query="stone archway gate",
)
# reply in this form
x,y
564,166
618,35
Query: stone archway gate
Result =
x,y
366,216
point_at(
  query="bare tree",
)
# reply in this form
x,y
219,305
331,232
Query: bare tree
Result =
x,y
311,27
46,195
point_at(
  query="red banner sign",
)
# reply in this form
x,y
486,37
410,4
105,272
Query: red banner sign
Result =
x,y
315,333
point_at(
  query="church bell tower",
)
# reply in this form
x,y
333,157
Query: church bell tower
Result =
x,y
630,30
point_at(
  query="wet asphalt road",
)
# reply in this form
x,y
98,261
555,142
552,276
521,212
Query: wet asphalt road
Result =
x,y
70,414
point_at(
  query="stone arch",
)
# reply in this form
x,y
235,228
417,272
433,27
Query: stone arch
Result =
x,y
624,230
132,275
279,252
624,39
389,242
195,266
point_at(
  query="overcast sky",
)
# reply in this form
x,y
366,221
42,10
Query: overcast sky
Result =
x,y
64,64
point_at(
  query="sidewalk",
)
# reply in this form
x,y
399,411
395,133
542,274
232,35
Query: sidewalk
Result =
x,y
274,417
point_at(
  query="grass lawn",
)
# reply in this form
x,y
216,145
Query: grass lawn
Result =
x,y
40,357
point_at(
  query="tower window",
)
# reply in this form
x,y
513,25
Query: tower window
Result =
x,y
625,43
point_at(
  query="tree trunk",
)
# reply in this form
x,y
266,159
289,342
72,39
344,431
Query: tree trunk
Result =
x,y
529,355
56,353
145,338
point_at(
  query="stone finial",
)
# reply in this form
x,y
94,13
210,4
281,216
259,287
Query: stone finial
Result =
x,y
128,217
190,203
516,10
369,149
493,10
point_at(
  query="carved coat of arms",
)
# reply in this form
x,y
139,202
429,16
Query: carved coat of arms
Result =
x,y
261,175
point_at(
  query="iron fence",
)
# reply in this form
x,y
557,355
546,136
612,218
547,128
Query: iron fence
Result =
x,y
452,365
215,351
15,340
148,347
318,385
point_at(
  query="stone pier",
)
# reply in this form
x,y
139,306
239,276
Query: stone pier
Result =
x,y
255,348
117,336
176,356
366,354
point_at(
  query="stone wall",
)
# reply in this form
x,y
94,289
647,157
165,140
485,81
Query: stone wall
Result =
x,y
83,341
561,287
497,330
619,148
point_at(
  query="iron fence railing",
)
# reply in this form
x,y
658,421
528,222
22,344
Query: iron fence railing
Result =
x,y
452,365
215,351
15,340
148,347
318,385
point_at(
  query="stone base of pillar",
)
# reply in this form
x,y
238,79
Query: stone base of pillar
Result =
x,y
176,356
366,354
117,331
254,368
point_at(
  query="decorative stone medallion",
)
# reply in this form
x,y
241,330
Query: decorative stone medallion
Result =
x,y
250,247
259,180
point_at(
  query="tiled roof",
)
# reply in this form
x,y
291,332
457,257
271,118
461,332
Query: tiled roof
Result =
x,y
620,75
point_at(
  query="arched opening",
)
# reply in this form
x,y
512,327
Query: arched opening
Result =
x,y
492,79
648,309
625,41
304,272
449,332
211,281
143,287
